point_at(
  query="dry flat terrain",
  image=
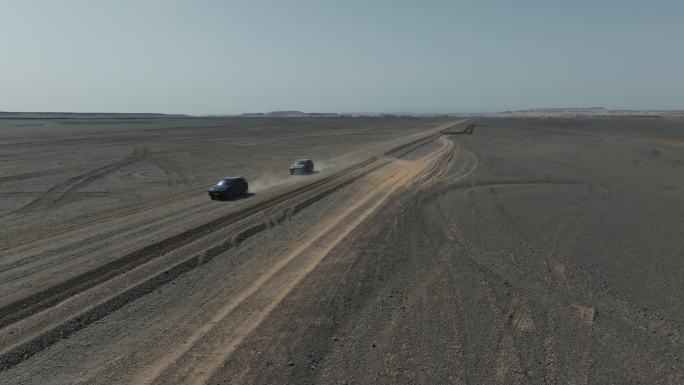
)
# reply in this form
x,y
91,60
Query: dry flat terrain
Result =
x,y
488,251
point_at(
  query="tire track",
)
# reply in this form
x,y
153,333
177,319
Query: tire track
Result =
x,y
64,191
557,272
514,319
584,315
509,320
22,239
456,307
551,360
197,359
18,310
176,173
35,174
54,294
469,130
468,168
506,363
580,308
24,308
50,297
79,249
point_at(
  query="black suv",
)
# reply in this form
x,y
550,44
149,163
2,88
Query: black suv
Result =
x,y
228,188
302,166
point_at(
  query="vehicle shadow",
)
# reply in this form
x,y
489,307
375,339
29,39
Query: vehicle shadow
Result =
x,y
237,198
314,172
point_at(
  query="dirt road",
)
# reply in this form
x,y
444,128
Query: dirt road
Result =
x,y
523,252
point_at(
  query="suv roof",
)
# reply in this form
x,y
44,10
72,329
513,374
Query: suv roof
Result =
x,y
232,178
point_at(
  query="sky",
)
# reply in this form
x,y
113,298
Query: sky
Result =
x,y
226,57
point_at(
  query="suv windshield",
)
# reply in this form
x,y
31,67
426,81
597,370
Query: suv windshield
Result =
x,y
301,162
225,182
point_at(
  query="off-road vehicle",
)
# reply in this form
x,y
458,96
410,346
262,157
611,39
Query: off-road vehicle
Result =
x,y
229,187
302,166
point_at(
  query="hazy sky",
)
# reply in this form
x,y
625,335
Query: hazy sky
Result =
x,y
204,57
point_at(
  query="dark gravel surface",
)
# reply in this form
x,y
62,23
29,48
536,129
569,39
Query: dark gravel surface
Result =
x,y
551,253
558,261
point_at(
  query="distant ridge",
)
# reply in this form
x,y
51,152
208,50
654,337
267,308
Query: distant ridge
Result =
x,y
589,111
531,113
84,115
293,114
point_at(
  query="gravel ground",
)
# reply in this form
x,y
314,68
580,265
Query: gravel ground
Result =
x,y
533,251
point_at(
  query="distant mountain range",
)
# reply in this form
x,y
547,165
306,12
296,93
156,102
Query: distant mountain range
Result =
x,y
534,112
588,111
292,114
83,115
